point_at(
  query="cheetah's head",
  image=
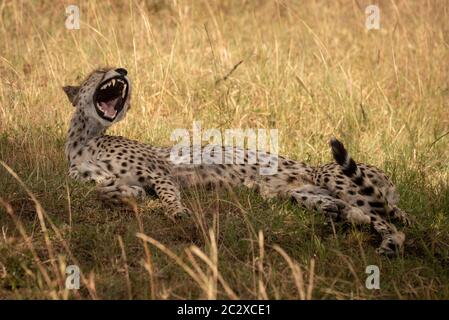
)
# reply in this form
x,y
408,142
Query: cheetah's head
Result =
x,y
104,95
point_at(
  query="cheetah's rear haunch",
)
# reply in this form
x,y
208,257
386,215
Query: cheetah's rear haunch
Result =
x,y
122,168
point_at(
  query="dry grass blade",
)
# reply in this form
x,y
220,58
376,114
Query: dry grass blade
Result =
x,y
231,294
28,242
176,259
296,272
42,217
262,292
125,265
229,73
40,214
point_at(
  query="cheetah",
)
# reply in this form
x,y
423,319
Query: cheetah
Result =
x,y
122,168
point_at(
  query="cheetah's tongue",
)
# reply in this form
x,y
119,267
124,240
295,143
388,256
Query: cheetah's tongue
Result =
x,y
108,108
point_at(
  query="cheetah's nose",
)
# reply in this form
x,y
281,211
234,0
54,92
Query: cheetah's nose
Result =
x,y
122,71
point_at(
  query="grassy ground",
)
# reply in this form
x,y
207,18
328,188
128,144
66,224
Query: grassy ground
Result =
x,y
310,69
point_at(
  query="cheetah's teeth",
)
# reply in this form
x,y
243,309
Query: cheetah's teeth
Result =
x,y
106,85
113,82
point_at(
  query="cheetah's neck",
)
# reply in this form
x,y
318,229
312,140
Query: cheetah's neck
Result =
x,y
82,129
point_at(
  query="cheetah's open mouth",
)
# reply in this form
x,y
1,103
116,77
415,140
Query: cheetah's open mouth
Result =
x,y
110,97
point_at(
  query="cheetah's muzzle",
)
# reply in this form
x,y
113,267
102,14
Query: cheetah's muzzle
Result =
x,y
110,97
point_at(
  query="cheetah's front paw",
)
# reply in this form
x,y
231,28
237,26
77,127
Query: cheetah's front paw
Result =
x,y
402,216
330,209
392,244
357,216
179,213
74,174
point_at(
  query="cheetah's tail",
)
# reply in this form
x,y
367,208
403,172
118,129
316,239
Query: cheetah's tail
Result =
x,y
351,170
343,158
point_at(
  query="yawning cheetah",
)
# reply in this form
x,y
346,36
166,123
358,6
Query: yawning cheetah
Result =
x,y
122,168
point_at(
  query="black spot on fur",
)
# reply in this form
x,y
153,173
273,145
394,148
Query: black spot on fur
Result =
x,y
367,191
376,204
291,179
149,190
358,181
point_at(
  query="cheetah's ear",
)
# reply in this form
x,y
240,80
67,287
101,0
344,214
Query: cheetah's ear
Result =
x,y
72,93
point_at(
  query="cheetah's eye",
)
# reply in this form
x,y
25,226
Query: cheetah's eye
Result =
x,y
110,97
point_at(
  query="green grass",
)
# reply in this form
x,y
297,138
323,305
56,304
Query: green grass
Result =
x,y
311,70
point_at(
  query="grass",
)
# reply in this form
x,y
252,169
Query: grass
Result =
x,y
310,69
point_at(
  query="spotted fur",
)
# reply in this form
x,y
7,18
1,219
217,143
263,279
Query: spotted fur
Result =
x,y
123,168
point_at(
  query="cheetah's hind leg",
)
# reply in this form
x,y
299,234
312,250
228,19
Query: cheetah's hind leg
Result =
x,y
315,198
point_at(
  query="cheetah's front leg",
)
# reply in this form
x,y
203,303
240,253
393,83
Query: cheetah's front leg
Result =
x,y
170,196
112,189
401,215
116,191
392,239
89,171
